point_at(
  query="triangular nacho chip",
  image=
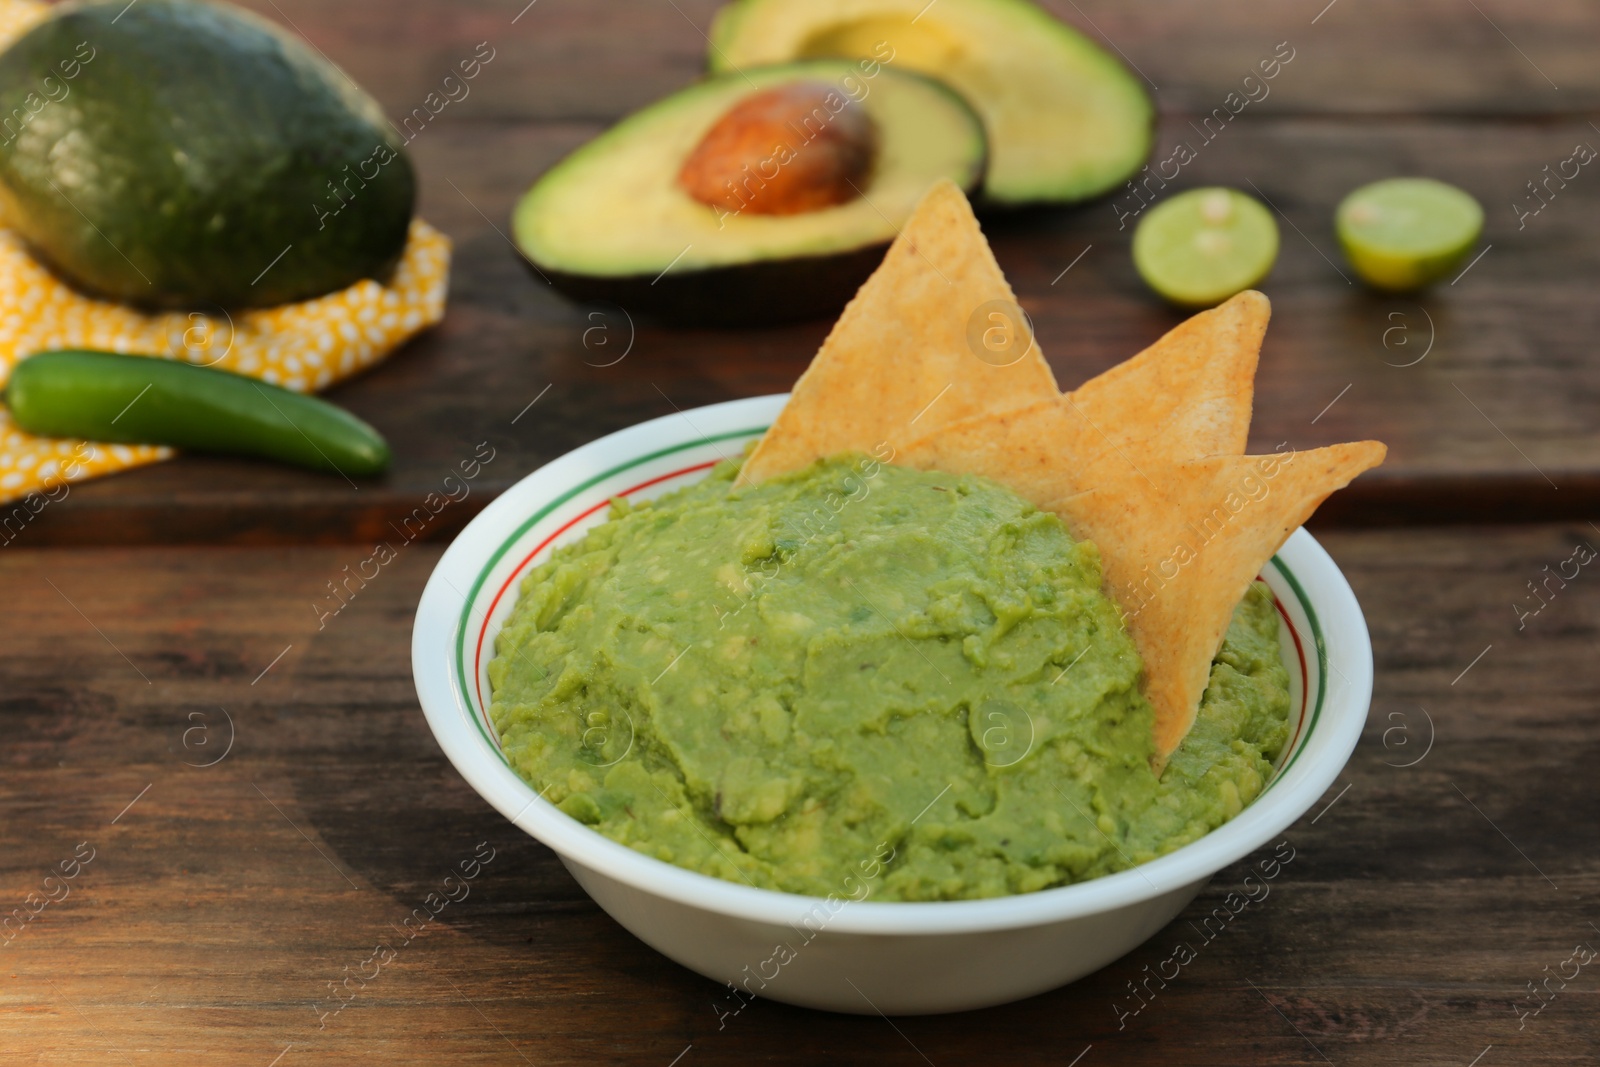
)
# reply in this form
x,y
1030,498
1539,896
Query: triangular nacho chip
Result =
x,y
1179,559
934,337
1026,449
1185,397
1144,459
1189,394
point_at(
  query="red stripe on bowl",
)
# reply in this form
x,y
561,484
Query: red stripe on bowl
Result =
x,y
477,656
1305,677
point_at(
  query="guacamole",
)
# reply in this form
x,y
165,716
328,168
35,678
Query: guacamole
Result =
x,y
862,680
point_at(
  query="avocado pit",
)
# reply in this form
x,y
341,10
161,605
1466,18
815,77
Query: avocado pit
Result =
x,y
795,148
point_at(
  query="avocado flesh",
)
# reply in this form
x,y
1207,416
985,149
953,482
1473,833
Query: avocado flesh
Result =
x,y
200,157
610,221
1066,121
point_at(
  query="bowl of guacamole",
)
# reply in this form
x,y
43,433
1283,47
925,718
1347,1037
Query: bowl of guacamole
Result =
x,y
860,721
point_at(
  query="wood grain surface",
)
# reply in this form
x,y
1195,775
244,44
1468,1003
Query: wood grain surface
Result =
x,y
249,803
1485,389
219,906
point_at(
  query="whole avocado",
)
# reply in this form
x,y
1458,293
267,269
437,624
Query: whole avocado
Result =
x,y
178,153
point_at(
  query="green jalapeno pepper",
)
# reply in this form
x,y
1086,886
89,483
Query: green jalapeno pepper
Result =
x,y
104,396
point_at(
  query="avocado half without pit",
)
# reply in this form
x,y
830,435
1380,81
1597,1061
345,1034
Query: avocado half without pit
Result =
x,y
762,196
1065,119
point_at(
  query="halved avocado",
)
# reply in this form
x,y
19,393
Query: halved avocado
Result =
x,y
616,221
1066,121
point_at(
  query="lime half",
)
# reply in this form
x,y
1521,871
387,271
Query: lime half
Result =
x,y
1203,246
1402,233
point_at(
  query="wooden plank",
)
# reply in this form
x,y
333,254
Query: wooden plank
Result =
x,y
218,906
556,60
1494,418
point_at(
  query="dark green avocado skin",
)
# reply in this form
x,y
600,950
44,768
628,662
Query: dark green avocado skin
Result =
x,y
759,293
180,153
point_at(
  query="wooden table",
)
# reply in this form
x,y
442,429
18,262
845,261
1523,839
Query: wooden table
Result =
x,y
262,800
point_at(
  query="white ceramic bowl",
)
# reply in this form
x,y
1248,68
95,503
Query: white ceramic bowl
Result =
x,y
849,956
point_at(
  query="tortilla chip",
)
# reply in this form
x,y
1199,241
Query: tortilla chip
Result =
x,y
903,360
1179,559
1144,460
1027,449
1187,395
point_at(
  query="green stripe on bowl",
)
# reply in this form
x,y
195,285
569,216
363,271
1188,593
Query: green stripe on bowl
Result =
x,y
532,520
1322,668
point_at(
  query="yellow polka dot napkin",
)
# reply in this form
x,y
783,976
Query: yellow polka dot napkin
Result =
x,y
304,346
